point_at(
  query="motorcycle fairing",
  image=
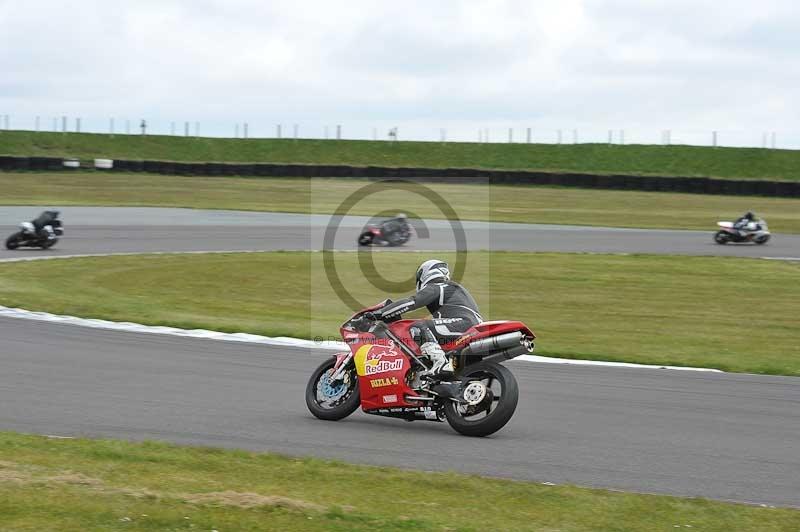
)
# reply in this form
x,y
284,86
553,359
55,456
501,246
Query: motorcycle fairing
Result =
x,y
382,368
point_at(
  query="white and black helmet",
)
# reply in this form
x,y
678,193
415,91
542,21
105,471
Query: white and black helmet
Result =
x,y
431,270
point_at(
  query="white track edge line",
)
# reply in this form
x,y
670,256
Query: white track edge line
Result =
x,y
285,341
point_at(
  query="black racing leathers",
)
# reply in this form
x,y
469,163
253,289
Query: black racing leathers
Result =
x,y
452,308
393,225
44,219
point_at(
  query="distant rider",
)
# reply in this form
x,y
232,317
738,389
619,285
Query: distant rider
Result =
x,y
453,311
43,225
394,225
746,223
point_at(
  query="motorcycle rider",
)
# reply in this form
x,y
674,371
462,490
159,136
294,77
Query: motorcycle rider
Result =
x,y
743,223
453,311
43,225
393,225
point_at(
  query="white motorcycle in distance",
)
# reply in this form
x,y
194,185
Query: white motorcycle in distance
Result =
x,y
28,236
755,231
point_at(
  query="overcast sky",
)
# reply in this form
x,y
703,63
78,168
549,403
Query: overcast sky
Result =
x,y
591,65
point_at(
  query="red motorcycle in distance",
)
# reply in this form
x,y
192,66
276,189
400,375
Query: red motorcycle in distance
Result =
x,y
376,235
384,374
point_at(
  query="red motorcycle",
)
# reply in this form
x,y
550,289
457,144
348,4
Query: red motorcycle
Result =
x,y
383,372
375,235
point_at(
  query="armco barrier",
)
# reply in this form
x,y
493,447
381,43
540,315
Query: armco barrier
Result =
x,y
695,185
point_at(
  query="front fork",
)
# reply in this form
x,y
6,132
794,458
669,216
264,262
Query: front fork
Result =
x,y
340,368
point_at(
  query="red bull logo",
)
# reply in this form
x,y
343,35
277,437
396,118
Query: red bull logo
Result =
x,y
373,359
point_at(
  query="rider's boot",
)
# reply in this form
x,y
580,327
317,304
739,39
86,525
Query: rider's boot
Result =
x,y
441,367
436,355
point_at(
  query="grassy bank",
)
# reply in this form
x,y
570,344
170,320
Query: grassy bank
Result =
x,y
740,163
48,484
645,309
476,202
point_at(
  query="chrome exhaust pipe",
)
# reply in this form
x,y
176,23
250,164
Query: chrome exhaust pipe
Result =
x,y
494,343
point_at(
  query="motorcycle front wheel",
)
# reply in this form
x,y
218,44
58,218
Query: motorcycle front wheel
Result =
x,y
13,241
761,240
721,237
328,400
365,239
495,393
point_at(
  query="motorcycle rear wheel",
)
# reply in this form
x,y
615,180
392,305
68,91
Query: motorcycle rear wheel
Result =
x,y
497,407
721,237
13,241
398,240
47,244
319,387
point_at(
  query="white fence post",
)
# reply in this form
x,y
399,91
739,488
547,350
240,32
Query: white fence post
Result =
x,y
296,131
714,138
37,124
338,132
773,143
63,124
559,137
510,135
246,132
528,136
236,131
278,131
574,136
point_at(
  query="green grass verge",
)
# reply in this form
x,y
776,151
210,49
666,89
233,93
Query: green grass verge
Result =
x,y
739,163
49,484
476,202
644,309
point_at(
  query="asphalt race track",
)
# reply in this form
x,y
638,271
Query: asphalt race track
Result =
x,y
124,230
725,436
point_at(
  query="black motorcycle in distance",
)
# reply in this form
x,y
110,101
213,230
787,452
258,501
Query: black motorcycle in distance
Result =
x,y
28,236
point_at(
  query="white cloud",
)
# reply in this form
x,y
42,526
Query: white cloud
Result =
x,y
592,64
